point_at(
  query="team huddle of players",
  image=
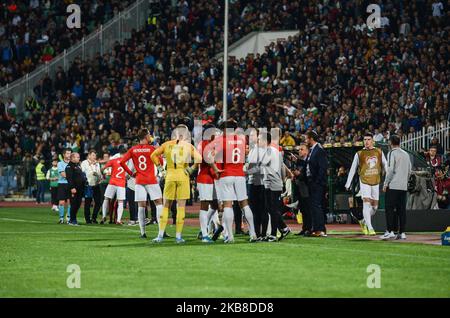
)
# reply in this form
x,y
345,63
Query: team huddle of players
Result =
x,y
221,178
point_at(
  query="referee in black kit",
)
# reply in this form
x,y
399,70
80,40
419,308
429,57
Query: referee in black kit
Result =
x,y
76,180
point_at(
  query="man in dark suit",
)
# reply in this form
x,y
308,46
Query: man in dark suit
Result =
x,y
316,171
301,185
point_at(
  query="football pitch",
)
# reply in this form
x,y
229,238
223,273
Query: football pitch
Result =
x,y
115,262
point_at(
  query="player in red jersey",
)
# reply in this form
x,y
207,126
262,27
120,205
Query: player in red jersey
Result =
x,y
116,187
206,189
230,150
146,181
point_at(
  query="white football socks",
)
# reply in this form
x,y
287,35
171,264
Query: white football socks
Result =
x,y
159,209
269,226
105,208
374,210
203,216
227,220
215,220
367,213
249,217
119,211
210,219
141,217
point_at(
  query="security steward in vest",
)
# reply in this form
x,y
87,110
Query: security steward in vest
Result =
x,y
40,180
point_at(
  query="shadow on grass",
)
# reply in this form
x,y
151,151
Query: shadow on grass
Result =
x,y
170,243
95,239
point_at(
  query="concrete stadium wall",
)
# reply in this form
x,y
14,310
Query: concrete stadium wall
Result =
x,y
256,42
417,220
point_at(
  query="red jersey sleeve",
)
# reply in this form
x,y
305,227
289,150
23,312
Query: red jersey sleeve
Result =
x,y
124,161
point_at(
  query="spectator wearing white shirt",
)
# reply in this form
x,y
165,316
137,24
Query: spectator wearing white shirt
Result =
x,y
437,8
378,137
384,22
91,168
16,20
34,4
11,108
405,28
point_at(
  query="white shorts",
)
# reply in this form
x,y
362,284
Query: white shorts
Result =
x,y
232,189
369,191
113,190
141,191
206,191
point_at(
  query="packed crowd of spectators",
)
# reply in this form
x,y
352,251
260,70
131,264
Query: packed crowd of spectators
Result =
x,y
439,162
33,32
338,76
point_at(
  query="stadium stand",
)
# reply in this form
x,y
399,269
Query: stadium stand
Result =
x,y
33,32
337,76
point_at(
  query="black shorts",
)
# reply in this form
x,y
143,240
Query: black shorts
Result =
x,y
63,191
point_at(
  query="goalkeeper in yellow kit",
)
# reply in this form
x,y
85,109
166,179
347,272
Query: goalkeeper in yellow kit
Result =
x,y
178,152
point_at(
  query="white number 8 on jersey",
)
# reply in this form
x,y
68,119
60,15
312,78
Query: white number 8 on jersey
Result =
x,y
142,163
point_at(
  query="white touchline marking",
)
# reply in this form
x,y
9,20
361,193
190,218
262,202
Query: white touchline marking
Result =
x,y
21,220
62,232
90,226
367,251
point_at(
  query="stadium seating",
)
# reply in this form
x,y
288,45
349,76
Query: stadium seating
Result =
x,y
33,32
337,76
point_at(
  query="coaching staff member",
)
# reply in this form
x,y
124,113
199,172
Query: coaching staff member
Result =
x,y
316,172
301,182
255,184
76,180
91,167
396,186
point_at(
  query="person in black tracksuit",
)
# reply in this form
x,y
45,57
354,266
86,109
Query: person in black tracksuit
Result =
x,y
131,204
237,218
76,180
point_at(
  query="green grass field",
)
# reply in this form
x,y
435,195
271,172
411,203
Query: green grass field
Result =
x,y
114,262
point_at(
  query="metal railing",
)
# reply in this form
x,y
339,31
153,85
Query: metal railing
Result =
x,y
421,139
17,177
99,41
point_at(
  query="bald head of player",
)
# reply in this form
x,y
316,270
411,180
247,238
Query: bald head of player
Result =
x,y
181,132
75,157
